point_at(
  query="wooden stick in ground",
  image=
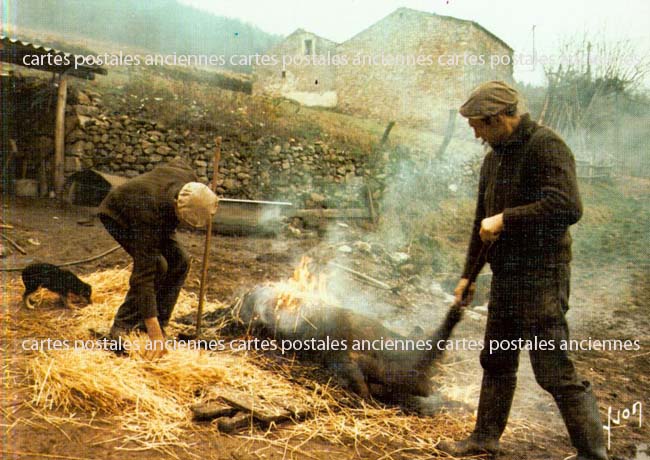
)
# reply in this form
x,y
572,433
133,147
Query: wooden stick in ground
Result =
x,y
371,205
59,137
208,236
370,279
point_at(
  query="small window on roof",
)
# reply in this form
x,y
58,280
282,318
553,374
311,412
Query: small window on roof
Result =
x,y
309,47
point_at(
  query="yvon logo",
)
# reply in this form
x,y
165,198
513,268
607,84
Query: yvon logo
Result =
x,y
637,409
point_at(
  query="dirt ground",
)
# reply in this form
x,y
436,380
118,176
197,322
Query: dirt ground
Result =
x,y
50,232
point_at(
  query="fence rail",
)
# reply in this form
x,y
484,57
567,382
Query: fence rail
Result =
x,y
587,170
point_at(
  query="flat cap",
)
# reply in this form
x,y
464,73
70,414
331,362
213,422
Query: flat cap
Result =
x,y
488,99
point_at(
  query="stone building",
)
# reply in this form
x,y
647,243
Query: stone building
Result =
x,y
411,66
295,72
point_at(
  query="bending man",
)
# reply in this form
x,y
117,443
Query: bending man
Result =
x,y
142,216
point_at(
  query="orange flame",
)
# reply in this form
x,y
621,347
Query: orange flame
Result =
x,y
303,284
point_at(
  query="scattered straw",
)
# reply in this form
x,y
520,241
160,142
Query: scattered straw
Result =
x,y
149,402
38,454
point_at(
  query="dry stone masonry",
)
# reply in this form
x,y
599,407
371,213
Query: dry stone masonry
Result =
x,y
312,174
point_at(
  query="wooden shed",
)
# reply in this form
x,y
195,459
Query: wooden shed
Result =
x,y
62,65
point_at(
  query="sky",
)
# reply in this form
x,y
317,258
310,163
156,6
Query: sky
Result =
x,y
510,20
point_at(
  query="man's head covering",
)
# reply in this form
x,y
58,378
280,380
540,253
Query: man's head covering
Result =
x,y
196,203
489,99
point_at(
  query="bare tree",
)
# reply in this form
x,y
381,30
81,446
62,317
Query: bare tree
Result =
x,y
586,71
586,86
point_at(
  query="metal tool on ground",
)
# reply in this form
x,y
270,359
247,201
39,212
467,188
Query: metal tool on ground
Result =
x,y
208,235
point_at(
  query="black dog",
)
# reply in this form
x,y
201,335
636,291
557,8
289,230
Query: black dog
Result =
x,y
55,279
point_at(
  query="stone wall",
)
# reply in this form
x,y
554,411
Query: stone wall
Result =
x,y
269,167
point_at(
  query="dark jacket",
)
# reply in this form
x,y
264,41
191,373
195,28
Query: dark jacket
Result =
x,y
143,209
531,179
147,201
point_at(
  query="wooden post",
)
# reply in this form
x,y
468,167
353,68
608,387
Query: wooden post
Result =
x,y
59,136
389,127
451,123
206,249
371,204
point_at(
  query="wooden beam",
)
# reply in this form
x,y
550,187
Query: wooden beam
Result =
x,y
346,213
316,217
59,137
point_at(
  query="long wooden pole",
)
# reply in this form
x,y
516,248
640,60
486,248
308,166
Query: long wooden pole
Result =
x,y
206,249
59,137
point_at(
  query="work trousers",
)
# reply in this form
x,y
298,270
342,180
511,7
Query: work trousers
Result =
x,y
530,304
170,264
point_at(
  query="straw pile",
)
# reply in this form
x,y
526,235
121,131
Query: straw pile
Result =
x,y
150,401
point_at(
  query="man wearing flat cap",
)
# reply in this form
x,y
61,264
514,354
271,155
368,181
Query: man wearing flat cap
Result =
x,y
142,216
528,197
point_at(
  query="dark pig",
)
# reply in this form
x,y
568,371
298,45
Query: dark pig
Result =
x,y
384,373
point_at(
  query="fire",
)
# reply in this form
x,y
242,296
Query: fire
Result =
x,y
301,286
305,279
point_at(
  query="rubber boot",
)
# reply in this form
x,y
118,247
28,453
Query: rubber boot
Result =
x,y
493,410
582,420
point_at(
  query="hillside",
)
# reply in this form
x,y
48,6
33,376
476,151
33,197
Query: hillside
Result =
x,y
159,26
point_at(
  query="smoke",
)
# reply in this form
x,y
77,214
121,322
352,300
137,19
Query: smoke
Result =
x,y
415,186
356,296
419,183
270,216
621,142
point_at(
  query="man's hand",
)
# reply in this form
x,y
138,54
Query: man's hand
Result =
x,y
458,292
491,228
156,346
